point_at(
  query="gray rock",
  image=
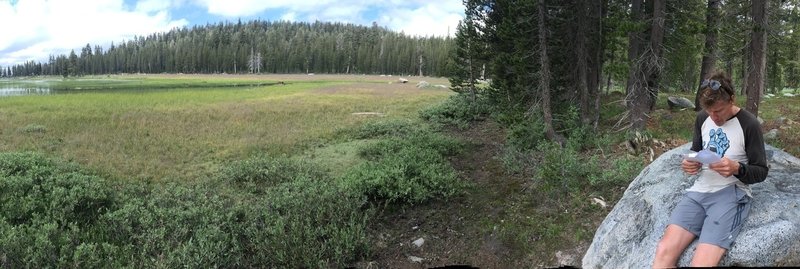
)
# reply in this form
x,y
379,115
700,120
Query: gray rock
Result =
x,y
772,134
415,258
419,242
423,84
788,94
628,236
680,102
780,120
402,80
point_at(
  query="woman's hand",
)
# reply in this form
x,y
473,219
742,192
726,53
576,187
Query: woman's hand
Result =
x,y
691,167
726,167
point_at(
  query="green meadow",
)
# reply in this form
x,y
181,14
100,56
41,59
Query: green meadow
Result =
x,y
254,175
173,128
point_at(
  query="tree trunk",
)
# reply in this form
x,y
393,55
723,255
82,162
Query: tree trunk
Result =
x,y
635,40
758,56
710,52
581,74
588,48
745,67
544,82
600,11
645,87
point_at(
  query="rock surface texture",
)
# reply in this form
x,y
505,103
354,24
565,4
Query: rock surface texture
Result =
x,y
628,236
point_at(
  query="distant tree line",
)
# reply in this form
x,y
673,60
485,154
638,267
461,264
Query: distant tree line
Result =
x,y
256,47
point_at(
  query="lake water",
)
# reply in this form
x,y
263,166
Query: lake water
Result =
x,y
6,91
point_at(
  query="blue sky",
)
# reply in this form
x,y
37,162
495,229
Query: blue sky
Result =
x,y
35,29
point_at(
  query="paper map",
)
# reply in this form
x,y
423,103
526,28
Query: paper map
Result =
x,y
704,156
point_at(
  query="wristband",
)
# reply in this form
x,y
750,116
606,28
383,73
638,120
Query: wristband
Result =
x,y
742,169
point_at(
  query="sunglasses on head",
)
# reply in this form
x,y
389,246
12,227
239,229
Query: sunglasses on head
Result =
x,y
713,84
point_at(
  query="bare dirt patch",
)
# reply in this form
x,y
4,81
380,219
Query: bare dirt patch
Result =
x,y
458,231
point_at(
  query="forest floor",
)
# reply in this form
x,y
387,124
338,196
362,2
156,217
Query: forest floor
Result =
x,y
464,230
458,231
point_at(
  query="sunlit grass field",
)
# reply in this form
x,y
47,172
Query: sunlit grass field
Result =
x,y
170,127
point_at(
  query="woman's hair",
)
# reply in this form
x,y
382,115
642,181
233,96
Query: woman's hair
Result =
x,y
715,88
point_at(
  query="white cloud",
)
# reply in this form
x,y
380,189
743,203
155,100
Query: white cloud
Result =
x,y
430,19
41,28
35,29
414,17
243,8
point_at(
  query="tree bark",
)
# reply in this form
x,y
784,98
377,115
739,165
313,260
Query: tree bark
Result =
x,y
758,56
710,52
635,40
544,82
581,74
600,11
645,87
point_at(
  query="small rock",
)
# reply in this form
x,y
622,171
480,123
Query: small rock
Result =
x,y
680,102
598,201
402,80
788,94
423,84
414,228
772,134
419,242
415,258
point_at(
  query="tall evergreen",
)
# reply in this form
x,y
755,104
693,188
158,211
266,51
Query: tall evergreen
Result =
x,y
284,47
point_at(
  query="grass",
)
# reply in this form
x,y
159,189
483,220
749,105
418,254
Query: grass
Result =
x,y
254,177
184,133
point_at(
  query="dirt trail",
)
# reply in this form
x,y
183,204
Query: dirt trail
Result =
x,y
458,231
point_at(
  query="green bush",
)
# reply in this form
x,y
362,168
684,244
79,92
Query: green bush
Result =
x,y
48,210
526,135
306,224
54,215
561,170
442,145
458,110
261,172
374,129
568,171
409,177
618,172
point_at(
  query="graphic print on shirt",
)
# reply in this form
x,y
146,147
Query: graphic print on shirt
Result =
x,y
718,142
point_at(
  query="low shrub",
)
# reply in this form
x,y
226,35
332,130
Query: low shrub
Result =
x,y
410,175
264,171
458,110
407,170
375,129
526,135
52,214
48,210
442,145
306,224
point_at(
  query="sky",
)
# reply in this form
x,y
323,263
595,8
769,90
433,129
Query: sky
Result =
x,y
35,29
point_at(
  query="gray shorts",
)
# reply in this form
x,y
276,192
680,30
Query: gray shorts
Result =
x,y
715,217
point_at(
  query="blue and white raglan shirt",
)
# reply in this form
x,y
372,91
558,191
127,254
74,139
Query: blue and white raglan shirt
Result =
x,y
740,140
